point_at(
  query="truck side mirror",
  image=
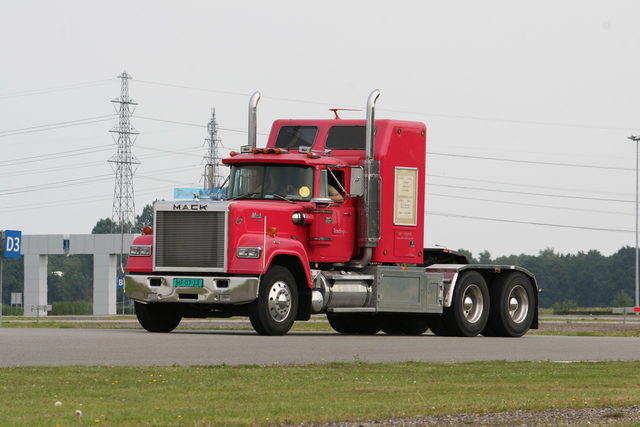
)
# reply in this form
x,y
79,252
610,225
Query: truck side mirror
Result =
x,y
322,201
356,182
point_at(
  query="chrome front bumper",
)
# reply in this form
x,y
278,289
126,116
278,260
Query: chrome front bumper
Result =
x,y
215,290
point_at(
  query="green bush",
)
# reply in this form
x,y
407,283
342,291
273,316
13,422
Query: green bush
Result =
x,y
9,310
571,307
622,299
71,307
564,307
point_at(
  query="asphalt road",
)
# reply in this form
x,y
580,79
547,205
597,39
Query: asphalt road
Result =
x,y
130,347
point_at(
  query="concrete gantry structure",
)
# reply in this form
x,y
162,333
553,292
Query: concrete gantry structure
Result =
x,y
104,247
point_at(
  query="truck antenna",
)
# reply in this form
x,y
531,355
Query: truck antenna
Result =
x,y
335,111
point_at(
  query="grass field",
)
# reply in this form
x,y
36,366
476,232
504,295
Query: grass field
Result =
x,y
273,395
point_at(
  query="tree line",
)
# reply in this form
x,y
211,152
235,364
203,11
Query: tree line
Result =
x,y
585,279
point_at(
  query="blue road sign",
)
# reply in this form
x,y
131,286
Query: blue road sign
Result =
x,y
120,282
12,244
188,193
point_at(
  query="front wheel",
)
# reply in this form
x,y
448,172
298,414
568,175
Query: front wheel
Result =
x,y
469,309
157,317
275,309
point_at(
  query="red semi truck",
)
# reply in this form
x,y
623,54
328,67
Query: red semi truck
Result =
x,y
327,218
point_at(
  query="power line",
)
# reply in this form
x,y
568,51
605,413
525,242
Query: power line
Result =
x,y
41,128
53,156
528,204
532,194
194,124
55,185
614,230
75,201
54,89
300,101
484,181
452,116
466,156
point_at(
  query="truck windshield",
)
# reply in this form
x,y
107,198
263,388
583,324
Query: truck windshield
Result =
x,y
253,181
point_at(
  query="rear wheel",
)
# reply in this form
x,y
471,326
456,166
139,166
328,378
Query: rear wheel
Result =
x,y
275,309
512,306
157,317
469,309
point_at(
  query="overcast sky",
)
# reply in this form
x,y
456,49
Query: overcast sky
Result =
x,y
528,104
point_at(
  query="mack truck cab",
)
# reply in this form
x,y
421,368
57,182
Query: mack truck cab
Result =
x,y
327,218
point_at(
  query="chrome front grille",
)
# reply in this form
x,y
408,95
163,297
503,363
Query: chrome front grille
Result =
x,y
187,239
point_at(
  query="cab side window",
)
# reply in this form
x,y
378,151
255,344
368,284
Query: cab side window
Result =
x,y
332,184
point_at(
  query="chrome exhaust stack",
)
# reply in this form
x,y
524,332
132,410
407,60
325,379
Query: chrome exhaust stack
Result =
x,y
371,128
253,119
369,224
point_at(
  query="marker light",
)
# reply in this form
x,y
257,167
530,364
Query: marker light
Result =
x,y
272,231
140,250
147,230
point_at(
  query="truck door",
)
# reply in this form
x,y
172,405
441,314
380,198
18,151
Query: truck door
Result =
x,y
332,234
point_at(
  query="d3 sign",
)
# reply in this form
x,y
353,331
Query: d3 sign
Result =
x,y
12,244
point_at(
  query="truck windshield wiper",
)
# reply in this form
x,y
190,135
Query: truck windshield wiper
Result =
x,y
253,193
283,198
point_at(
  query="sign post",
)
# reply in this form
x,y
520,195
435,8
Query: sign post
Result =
x,y
11,248
120,285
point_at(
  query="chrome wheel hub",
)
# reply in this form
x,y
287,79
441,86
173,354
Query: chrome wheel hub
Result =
x,y
279,301
472,303
518,304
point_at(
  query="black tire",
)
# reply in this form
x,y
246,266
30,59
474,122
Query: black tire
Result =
x,y
390,324
339,323
469,309
414,324
438,326
512,306
404,324
488,330
364,324
276,307
157,317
